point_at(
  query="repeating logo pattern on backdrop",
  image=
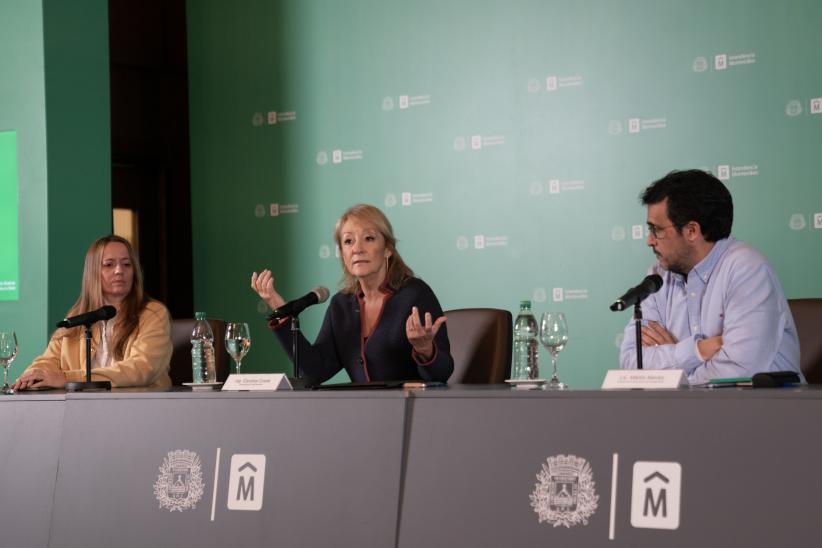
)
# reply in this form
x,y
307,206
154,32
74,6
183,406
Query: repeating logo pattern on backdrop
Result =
x,y
272,118
794,107
555,186
405,102
554,83
594,150
637,125
409,198
478,142
338,156
800,221
722,61
725,171
276,209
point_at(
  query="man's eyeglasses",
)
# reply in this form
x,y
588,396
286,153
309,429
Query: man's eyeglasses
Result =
x,y
657,230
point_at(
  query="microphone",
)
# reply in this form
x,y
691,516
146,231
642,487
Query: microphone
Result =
x,y
649,285
317,295
102,313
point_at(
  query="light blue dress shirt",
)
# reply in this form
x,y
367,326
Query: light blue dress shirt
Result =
x,y
732,292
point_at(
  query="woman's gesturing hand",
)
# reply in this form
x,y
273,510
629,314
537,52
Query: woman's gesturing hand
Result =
x,y
263,284
421,336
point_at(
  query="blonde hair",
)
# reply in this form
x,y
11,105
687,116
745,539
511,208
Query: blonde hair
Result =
x,y
91,296
397,272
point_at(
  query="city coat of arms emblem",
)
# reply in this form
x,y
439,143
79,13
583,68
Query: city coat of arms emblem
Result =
x,y
564,494
179,485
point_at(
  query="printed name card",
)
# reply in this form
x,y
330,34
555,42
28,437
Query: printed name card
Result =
x,y
646,379
250,382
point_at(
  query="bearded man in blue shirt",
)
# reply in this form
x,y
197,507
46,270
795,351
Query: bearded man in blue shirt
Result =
x,y
721,311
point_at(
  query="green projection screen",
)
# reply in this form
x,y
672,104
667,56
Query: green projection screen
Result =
x,y
9,248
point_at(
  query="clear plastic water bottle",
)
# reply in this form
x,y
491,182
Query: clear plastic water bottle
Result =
x,y
202,351
526,344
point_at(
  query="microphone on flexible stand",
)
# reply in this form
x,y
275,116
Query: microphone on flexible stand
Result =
x,y
651,284
103,313
293,308
634,296
86,320
316,296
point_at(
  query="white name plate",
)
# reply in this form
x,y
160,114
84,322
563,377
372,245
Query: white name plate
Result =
x,y
648,379
250,382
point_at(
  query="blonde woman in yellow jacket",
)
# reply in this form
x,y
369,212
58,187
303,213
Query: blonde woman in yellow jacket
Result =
x,y
131,349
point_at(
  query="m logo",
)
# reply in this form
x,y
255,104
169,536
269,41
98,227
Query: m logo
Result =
x,y
720,61
558,295
246,482
655,495
723,172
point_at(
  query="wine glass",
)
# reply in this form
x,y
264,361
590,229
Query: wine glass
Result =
x,y
8,351
553,335
237,342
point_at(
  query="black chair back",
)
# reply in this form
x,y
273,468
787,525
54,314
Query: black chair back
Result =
x,y
480,341
807,315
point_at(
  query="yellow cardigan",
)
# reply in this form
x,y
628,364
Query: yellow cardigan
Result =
x,y
145,359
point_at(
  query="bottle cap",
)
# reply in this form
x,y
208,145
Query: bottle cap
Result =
x,y
202,315
525,304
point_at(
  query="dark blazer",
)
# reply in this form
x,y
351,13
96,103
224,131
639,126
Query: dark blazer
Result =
x,y
386,355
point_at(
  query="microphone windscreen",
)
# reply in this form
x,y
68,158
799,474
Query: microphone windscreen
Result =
x,y
655,282
322,293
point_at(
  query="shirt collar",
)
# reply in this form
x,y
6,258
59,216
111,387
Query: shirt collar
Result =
x,y
704,267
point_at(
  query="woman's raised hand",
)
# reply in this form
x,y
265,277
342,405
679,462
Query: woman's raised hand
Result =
x,y
421,335
263,284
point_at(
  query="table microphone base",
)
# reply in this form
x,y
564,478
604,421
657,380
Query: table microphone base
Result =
x,y
298,383
85,386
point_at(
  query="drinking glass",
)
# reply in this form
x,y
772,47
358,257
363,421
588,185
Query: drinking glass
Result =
x,y
553,335
8,351
237,342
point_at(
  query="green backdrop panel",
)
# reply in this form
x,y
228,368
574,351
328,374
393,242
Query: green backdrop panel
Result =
x,y
506,141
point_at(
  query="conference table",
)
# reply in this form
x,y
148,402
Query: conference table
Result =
x,y
478,466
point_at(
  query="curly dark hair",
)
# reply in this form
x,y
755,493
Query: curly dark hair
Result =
x,y
694,195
